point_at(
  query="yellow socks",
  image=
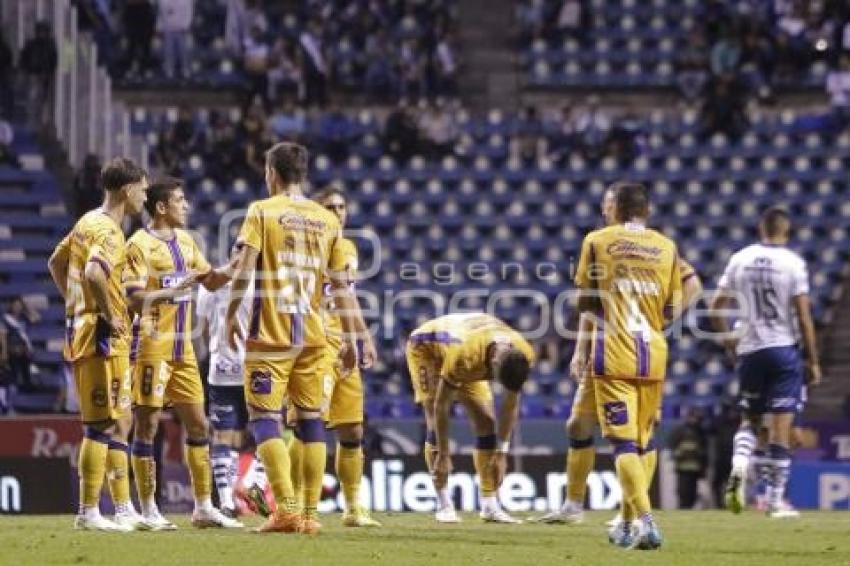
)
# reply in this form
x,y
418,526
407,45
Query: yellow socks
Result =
x,y
349,470
144,469
117,473
198,461
312,437
275,458
296,466
580,459
481,458
92,465
630,472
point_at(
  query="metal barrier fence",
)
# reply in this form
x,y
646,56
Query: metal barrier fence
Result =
x,y
84,116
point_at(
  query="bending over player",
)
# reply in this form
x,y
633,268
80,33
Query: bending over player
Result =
x,y
163,261
453,358
771,283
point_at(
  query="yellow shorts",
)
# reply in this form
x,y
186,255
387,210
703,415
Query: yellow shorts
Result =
x,y
103,386
156,383
627,409
584,401
345,398
424,376
299,375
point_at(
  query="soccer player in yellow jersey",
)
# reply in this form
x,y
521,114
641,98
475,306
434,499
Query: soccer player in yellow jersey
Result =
x,y
583,420
87,267
290,246
453,358
163,262
343,394
632,286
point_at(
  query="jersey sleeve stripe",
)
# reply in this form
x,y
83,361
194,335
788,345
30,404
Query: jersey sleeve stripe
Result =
x,y
439,337
180,322
103,264
296,329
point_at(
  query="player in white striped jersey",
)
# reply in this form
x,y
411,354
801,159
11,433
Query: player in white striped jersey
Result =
x,y
228,412
770,285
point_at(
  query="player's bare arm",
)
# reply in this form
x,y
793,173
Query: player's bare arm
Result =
x,y
244,261
807,328
442,408
691,290
721,303
58,265
581,355
353,325
141,299
97,278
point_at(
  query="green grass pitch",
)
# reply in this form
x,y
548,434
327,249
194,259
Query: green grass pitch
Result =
x,y
691,538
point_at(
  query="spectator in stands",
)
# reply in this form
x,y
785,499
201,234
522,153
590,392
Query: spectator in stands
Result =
x,y
446,66
7,154
186,133
379,79
223,157
401,133
139,24
288,122
439,129
88,193
792,49
38,63
688,443
572,19
16,320
726,52
314,65
284,74
692,65
95,17
723,109
335,133
242,16
411,70
593,127
255,140
7,77
528,142
838,89
531,15
174,21
758,61
256,55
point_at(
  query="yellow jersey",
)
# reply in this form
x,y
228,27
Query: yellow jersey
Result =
x,y
458,343
95,237
636,272
299,244
162,332
686,270
333,324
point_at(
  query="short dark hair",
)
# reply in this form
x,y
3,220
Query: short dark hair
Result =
x,y
120,172
329,191
289,161
160,191
632,200
775,221
513,371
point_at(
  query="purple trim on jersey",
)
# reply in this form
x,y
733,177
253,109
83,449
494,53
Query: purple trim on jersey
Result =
x,y
131,289
118,445
102,346
180,325
599,350
439,337
134,343
103,264
70,330
96,435
296,331
642,355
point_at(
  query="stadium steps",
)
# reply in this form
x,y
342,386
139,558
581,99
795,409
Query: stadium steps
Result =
x,y
828,401
490,77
